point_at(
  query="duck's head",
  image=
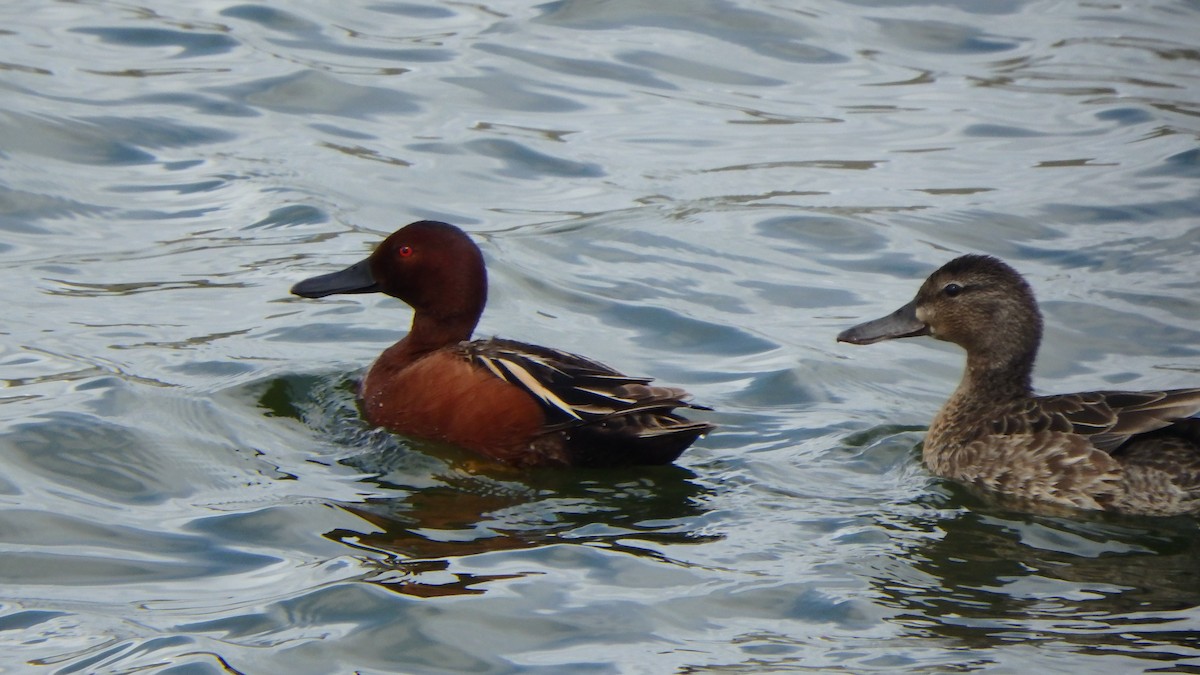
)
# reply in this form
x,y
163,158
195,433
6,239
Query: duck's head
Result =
x,y
432,266
975,301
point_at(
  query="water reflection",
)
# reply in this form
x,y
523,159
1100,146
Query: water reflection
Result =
x,y
432,504
985,577
478,509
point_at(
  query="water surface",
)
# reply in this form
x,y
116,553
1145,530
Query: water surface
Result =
x,y
706,192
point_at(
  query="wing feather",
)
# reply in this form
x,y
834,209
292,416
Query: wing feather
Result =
x,y
534,386
574,389
1107,418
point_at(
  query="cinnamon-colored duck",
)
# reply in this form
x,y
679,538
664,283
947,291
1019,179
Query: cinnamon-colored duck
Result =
x,y
1131,452
517,403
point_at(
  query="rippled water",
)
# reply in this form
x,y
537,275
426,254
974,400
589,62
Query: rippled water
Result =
x,y
704,191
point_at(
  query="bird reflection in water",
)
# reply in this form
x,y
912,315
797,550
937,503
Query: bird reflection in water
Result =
x,y
983,575
476,507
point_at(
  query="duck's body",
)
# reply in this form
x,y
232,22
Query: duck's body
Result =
x,y
1131,452
514,402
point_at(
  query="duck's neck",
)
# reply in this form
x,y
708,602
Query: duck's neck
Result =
x,y
1000,364
989,381
446,313
430,332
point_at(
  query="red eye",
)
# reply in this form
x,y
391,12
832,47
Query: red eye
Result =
x,y
404,251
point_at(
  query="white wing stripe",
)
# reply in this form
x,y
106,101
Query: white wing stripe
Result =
x,y
492,367
606,395
534,387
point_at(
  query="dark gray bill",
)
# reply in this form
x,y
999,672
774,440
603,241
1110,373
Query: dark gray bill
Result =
x,y
901,323
356,278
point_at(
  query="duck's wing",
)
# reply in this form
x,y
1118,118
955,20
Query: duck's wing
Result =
x,y
1107,418
574,389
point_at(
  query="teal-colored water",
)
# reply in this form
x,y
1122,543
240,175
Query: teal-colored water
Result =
x,y
703,191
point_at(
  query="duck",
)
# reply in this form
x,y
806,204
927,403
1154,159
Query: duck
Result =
x,y
1132,452
516,403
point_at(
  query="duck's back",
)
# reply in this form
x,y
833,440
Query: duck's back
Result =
x,y
595,415
527,405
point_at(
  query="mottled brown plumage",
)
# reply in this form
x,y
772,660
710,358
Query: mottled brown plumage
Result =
x,y
1132,452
